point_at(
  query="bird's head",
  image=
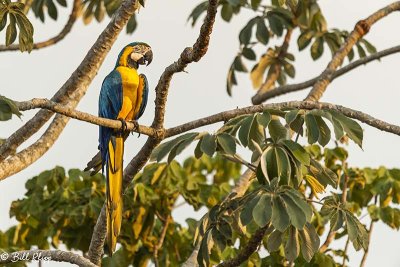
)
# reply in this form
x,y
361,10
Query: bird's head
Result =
x,y
135,54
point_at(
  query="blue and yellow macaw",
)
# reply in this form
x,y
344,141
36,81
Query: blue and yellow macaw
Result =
x,y
123,96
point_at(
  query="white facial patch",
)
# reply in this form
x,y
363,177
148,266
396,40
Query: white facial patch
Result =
x,y
136,56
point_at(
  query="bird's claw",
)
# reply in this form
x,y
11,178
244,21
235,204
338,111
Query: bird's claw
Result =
x,y
124,127
135,126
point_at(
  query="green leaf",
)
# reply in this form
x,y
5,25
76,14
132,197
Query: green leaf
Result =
x,y
262,33
299,200
230,80
305,39
289,69
292,247
246,214
162,150
350,126
208,144
277,130
255,4
275,23
244,131
131,25
317,48
361,51
8,108
239,65
11,32
296,214
370,48
249,53
298,151
246,32
280,218
309,242
226,12
274,241
197,11
312,128
324,131
262,210
3,20
227,143
51,9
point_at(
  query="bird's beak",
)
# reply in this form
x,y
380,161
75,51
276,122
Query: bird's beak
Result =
x,y
148,57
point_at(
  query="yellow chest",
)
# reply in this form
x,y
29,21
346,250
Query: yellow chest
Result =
x,y
130,94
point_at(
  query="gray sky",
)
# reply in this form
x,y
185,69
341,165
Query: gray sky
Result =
x,y
201,91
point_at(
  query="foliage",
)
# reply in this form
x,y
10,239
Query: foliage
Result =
x,y
272,19
301,186
16,13
12,12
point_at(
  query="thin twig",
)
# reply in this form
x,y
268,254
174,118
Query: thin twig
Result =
x,y
285,89
52,41
345,251
364,258
362,28
161,240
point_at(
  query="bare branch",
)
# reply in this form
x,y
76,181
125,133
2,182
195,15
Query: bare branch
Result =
x,y
47,255
362,28
70,93
249,249
189,55
161,240
52,41
285,89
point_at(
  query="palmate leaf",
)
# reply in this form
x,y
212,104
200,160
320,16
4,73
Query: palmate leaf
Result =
x,y
279,205
305,240
17,18
339,216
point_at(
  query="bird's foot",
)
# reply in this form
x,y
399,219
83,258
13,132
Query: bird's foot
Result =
x,y
136,126
124,127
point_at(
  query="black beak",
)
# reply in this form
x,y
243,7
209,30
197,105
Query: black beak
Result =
x,y
148,57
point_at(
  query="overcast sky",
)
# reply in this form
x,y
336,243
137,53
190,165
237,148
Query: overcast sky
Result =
x,y
201,91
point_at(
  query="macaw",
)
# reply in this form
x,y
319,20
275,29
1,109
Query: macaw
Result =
x,y
123,96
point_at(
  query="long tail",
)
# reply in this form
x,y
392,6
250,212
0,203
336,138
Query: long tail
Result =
x,y
114,190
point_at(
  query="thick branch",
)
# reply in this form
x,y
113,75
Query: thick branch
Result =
x,y
46,255
52,41
361,29
70,93
285,89
249,249
189,55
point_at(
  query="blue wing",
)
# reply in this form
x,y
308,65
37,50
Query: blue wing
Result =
x,y
110,103
145,95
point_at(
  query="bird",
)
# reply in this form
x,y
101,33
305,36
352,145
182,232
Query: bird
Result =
x,y
123,96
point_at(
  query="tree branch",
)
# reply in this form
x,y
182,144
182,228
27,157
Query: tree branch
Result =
x,y
161,240
189,55
249,249
364,258
52,41
362,28
285,89
70,93
46,255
